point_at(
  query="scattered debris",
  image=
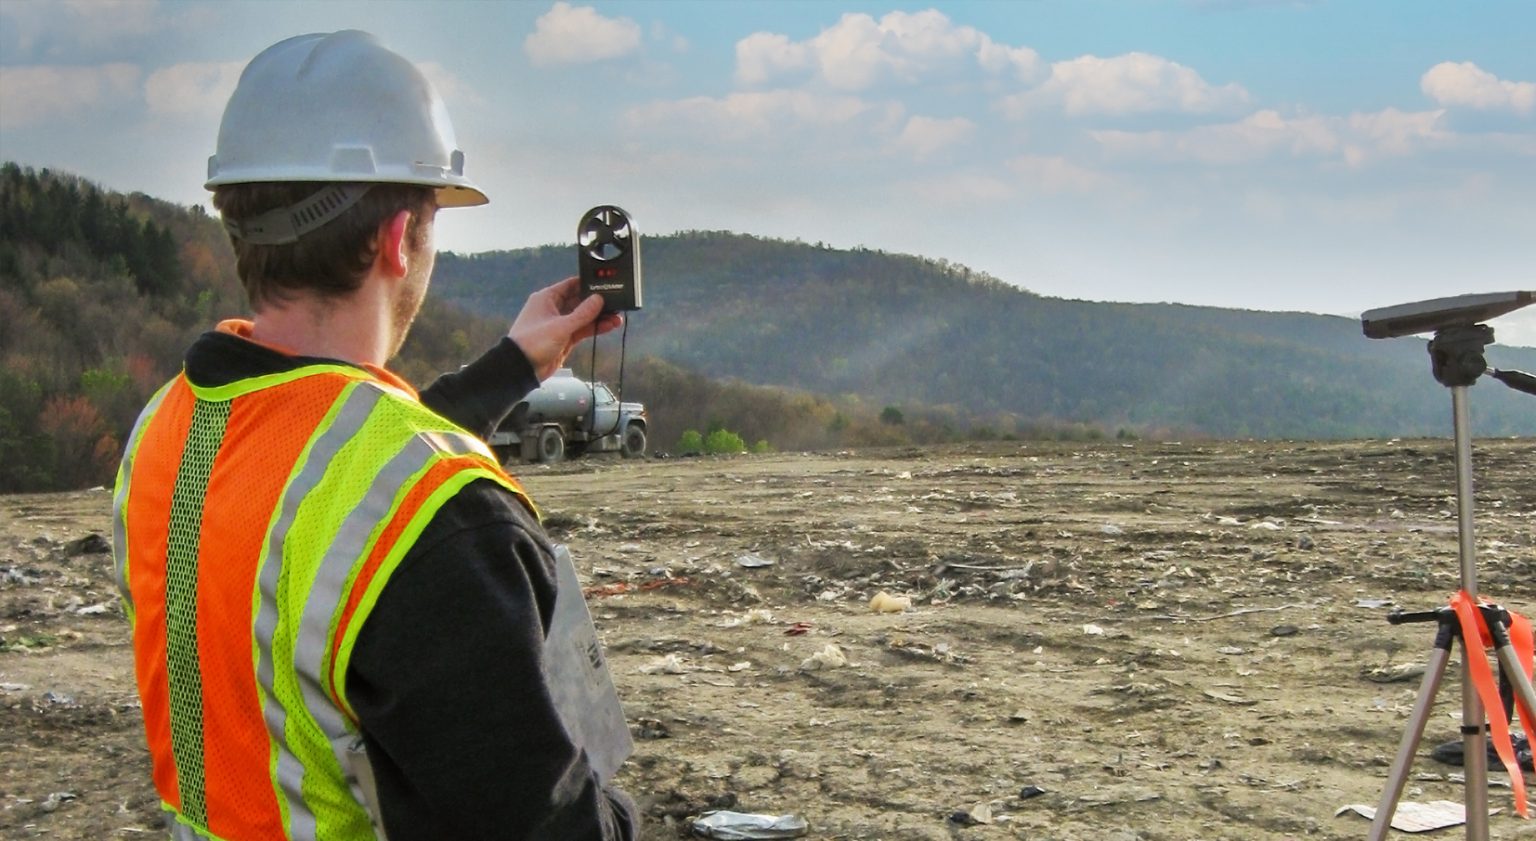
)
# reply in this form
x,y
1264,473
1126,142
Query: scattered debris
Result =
x,y
830,657
622,587
671,664
91,544
751,560
1418,817
1030,792
1231,699
739,826
1395,674
884,602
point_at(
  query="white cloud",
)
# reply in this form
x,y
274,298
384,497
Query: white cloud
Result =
x,y
64,27
1465,85
760,114
661,33
39,93
1392,132
966,190
859,52
921,137
1053,174
1134,83
569,34
1252,138
1357,139
762,56
197,89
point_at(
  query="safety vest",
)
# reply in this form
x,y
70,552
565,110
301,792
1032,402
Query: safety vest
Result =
x,y
255,526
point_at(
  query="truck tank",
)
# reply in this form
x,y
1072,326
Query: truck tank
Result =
x,y
561,397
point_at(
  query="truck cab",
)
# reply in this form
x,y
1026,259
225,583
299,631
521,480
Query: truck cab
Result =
x,y
568,416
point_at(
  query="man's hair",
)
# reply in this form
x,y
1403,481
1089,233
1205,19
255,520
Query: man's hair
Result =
x,y
329,261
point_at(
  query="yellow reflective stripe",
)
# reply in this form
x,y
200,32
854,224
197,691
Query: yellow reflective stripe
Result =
x,y
242,387
120,498
403,543
375,444
347,414
339,568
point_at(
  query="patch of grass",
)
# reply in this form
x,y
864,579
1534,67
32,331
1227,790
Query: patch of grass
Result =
x,y
30,642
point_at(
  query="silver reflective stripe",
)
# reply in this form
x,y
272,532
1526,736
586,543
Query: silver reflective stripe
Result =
x,y
358,404
120,499
362,771
180,831
328,590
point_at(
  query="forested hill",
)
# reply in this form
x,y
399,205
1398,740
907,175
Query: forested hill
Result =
x,y
100,295
907,331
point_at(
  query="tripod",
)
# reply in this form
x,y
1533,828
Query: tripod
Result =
x,y
1456,354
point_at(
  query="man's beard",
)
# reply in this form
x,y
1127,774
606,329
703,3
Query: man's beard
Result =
x,y
413,290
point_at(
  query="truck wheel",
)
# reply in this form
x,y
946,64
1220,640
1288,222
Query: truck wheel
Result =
x,y
551,445
633,445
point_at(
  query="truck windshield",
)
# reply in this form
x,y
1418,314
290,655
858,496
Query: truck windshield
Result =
x,y
604,396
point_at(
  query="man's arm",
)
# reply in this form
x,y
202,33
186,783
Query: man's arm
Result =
x,y
479,395
447,682
551,323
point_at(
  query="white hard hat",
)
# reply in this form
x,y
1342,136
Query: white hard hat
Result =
x,y
339,107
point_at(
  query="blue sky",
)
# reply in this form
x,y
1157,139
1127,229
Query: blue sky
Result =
x,y
1317,156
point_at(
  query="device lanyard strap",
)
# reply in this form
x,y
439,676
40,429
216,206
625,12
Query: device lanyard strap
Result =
x,y
1475,639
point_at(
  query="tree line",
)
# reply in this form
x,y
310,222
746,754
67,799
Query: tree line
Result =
x,y
100,295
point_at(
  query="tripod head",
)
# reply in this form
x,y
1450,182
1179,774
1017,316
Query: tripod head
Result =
x,y
1456,353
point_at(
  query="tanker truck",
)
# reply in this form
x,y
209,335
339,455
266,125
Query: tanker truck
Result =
x,y
568,416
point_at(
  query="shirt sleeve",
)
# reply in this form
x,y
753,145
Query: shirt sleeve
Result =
x,y
447,682
479,395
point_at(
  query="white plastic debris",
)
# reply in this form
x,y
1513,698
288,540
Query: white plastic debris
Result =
x,y
752,560
670,664
830,657
1418,817
1093,630
755,616
884,602
735,826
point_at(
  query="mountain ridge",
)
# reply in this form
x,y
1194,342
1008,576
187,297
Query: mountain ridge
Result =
x,y
909,330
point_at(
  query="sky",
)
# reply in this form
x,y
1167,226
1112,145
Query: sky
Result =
x,y
1327,157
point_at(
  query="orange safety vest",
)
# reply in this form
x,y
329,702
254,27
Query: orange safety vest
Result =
x,y
255,526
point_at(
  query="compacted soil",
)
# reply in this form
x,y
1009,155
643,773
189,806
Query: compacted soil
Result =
x,y
1108,641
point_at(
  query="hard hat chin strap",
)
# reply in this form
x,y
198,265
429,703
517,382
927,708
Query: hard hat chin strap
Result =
x,y
284,225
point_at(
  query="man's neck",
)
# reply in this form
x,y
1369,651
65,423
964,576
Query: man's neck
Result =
x,y
353,329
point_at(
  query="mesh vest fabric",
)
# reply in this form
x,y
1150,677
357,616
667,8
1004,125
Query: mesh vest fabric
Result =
x,y
256,525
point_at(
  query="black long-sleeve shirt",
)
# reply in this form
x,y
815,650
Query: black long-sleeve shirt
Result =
x,y
446,676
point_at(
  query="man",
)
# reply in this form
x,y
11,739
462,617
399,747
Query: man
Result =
x,y
339,599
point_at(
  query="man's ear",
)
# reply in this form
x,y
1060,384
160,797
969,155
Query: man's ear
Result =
x,y
393,255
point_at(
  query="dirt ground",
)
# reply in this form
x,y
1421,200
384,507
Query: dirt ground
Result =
x,y
1148,641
